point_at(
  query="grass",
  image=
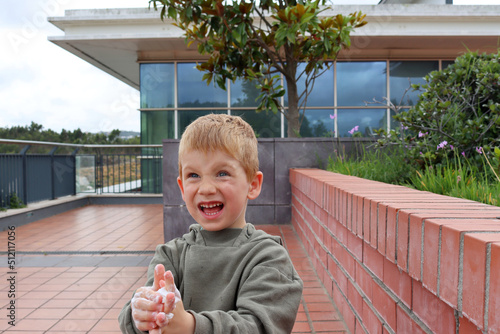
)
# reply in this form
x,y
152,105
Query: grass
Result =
x,y
378,165
456,178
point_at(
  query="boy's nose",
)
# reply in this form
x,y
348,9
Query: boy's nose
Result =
x,y
206,187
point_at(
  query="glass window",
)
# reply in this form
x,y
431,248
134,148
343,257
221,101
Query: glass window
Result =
x,y
322,94
318,123
366,120
193,91
266,124
156,125
157,85
244,93
446,63
187,116
405,73
361,82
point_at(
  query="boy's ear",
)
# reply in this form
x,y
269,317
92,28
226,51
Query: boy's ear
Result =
x,y
255,186
181,186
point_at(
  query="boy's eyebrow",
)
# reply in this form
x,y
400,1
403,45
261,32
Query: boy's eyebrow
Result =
x,y
219,165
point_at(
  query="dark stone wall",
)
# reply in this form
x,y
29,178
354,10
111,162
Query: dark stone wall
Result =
x,y
276,157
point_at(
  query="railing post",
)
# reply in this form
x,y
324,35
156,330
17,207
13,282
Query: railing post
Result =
x,y
73,156
52,178
25,173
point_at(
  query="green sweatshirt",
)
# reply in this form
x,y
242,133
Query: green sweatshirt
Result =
x,y
232,281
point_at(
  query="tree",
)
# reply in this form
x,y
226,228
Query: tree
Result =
x,y
261,40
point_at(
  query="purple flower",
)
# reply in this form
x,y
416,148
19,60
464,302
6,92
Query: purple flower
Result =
x,y
332,116
451,147
354,129
479,150
442,144
422,134
463,153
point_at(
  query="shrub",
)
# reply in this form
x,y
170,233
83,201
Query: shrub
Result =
x,y
458,109
16,202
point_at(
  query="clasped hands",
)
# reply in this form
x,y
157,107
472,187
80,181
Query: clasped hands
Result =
x,y
159,308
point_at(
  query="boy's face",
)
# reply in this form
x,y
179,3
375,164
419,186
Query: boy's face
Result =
x,y
215,188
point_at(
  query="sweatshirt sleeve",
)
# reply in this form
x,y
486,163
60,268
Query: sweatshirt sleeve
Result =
x,y
267,301
165,254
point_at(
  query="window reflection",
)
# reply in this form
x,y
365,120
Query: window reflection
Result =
x,y
318,123
322,94
244,93
157,85
186,117
367,120
156,125
193,91
405,73
361,82
357,83
265,124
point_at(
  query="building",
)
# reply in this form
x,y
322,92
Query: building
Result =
x,y
402,42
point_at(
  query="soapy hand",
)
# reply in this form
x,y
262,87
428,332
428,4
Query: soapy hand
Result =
x,y
152,306
171,296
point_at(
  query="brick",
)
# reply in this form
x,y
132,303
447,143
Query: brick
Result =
x,y
467,327
385,306
403,243
474,275
432,311
355,245
382,228
354,297
405,324
358,214
349,210
373,207
390,251
415,248
374,261
451,234
370,320
367,233
349,317
494,299
364,281
343,208
342,233
431,255
399,282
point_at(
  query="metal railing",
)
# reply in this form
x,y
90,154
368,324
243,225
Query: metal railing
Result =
x,y
36,177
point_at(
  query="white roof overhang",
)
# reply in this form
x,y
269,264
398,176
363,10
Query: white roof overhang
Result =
x,y
117,40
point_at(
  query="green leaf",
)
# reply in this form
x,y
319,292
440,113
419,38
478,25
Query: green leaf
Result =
x,y
236,35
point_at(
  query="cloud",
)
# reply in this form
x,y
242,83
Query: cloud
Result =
x,y
43,83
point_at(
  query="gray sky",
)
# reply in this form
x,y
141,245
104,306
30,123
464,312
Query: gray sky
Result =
x,y
41,82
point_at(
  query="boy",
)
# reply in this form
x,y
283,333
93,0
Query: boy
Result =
x,y
231,278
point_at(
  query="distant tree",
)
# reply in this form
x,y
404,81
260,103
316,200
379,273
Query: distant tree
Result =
x,y
262,40
36,132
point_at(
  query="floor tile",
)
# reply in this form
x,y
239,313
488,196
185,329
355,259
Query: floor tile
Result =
x,y
84,292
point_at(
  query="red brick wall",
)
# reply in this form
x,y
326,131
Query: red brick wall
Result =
x,y
400,260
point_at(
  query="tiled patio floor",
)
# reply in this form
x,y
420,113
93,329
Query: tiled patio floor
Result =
x,y
74,271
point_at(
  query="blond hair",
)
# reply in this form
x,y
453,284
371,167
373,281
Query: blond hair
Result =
x,y
230,134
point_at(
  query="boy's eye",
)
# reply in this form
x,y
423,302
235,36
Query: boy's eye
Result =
x,y
222,173
192,175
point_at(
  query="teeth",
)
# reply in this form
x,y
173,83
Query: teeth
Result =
x,y
210,206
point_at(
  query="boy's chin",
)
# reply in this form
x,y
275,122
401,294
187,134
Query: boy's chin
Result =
x,y
214,227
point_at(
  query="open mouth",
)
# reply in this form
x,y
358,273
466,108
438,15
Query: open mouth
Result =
x,y
211,209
